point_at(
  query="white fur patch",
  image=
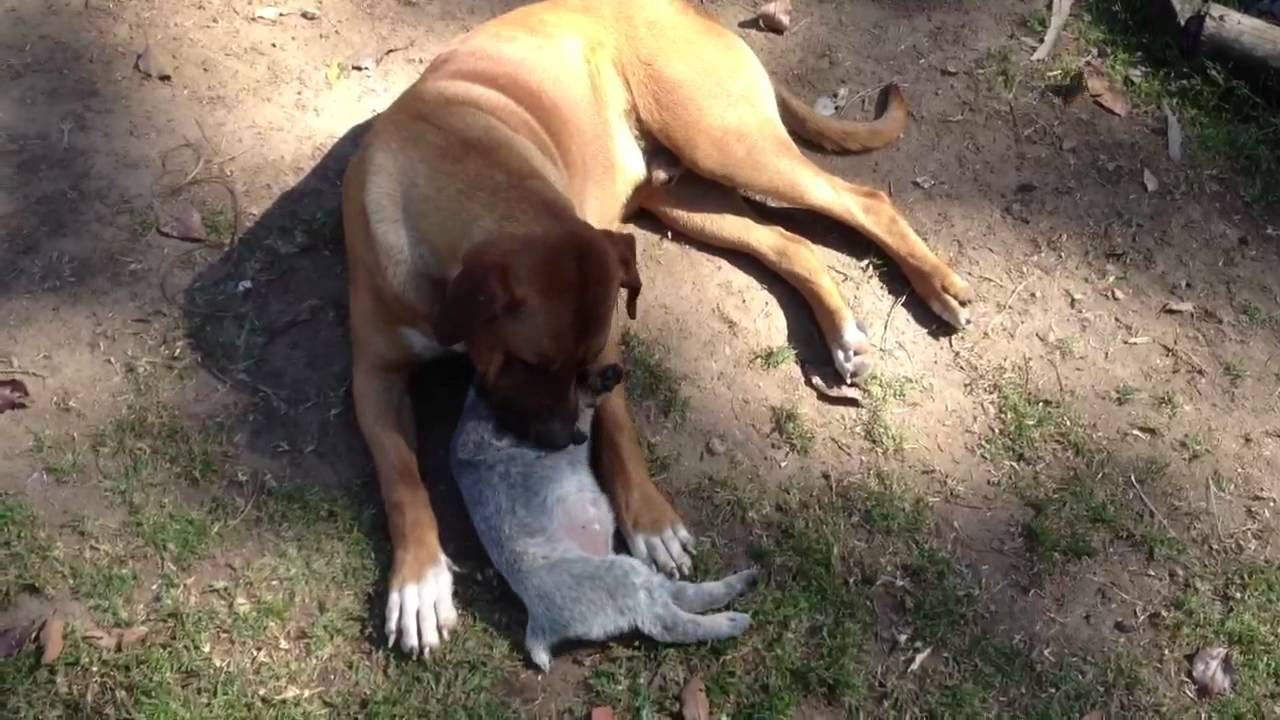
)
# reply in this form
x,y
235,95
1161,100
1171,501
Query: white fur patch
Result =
x,y
851,353
422,613
424,347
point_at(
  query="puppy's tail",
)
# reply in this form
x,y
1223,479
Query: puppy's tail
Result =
x,y
837,135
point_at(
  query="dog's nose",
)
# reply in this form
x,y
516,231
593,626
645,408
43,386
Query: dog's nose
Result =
x,y
609,377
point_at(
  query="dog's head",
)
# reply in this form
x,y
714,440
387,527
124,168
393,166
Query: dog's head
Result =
x,y
535,314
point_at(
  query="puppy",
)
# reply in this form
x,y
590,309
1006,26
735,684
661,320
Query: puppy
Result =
x,y
548,528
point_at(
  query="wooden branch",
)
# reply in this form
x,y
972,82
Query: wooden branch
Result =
x,y
1219,30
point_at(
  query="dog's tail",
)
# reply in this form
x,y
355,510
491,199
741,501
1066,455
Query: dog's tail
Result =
x,y
836,135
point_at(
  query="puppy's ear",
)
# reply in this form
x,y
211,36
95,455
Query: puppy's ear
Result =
x,y
624,248
479,294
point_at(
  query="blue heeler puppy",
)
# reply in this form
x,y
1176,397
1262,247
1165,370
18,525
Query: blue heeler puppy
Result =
x,y
548,528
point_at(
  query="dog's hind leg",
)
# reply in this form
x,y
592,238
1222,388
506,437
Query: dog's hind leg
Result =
x,y
712,213
701,597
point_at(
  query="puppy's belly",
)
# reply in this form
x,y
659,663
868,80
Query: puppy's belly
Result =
x,y
584,520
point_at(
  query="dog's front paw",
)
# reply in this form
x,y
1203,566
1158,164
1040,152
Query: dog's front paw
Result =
x,y
852,354
946,293
420,610
669,550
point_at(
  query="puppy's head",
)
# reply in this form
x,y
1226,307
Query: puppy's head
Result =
x,y
535,314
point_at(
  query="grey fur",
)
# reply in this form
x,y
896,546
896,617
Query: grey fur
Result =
x,y
525,503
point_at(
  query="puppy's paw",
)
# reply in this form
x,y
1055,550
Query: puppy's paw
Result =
x,y
852,354
420,610
668,550
946,293
735,623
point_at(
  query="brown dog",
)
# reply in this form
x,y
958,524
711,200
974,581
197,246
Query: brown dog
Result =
x,y
481,208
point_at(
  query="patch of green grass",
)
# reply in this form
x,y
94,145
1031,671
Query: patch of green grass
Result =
x,y
219,224
1067,347
1239,611
1124,394
1002,65
1229,122
1194,446
772,358
175,532
1235,372
1027,425
1168,403
59,454
103,582
1253,315
878,427
29,556
791,429
650,380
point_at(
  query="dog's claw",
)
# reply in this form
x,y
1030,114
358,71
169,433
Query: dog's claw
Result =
x,y
668,551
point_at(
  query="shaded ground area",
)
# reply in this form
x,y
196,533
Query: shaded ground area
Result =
x,y
1039,517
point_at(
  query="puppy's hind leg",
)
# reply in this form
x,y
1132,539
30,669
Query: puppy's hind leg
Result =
x,y
670,624
701,597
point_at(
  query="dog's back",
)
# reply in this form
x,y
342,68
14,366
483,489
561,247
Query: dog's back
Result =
x,y
548,529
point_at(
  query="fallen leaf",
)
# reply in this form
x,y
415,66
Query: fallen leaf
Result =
x,y
1178,307
831,103
1104,91
693,700
1149,181
334,72
13,639
1212,671
104,639
181,221
310,14
824,380
1117,294
152,63
51,639
270,13
13,395
1057,20
1142,340
1173,132
603,712
132,636
775,16
919,659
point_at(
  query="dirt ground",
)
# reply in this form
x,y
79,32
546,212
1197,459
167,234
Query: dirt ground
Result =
x,y
1042,206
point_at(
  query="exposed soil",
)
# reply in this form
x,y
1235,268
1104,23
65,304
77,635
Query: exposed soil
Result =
x,y
1072,256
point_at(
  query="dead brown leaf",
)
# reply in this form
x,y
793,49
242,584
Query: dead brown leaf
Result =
x,y
104,639
825,381
132,636
1107,93
51,639
13,395
603,712
775,16
1212,671
693,700
1149,181
181,221
1178,308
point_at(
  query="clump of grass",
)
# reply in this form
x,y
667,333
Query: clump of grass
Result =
x,y
772,358
60,454
1253,315
1027,425
1168,403
650,380
878,427
29,556
219,225
791,429
1194,446
1004,69
1235,372
1124,394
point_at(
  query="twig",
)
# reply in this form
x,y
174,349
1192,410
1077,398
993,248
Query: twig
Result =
x,y
23,371
1143,496
884,333
1213,506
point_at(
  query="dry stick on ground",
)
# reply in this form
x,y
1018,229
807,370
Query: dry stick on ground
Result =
x,y
1057,21
1137,488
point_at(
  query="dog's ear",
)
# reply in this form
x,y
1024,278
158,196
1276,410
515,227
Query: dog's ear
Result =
x,y
479,294
624,248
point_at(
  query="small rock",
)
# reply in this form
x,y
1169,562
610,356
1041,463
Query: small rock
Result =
x,y
1026,187
1069,144
925,182
310,15
950,70
717,446
1117,294
1125,626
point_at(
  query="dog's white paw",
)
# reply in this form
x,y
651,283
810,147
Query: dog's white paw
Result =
x,y
421,614
669,551
851,353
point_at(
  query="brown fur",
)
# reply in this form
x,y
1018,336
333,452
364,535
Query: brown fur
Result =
x,y
482,203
